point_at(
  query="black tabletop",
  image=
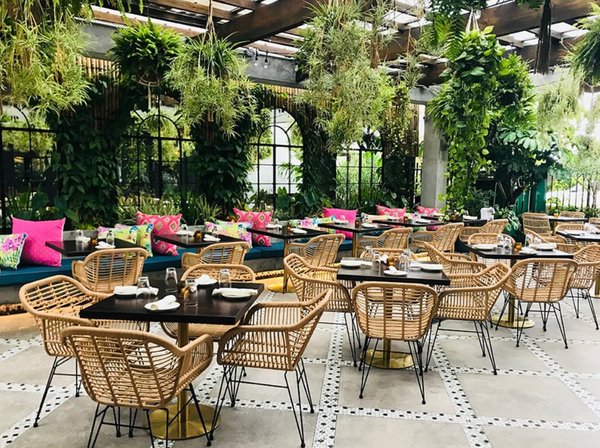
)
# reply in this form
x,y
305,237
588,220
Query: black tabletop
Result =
x,y
72,248
285,234
353,228
506,254
566,219
193,241
210,310
362,274
424,223
580,236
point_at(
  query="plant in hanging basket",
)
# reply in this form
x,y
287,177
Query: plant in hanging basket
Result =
x,y
145,52
585,57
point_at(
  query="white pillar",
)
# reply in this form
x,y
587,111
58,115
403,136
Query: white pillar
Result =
x,y
435,161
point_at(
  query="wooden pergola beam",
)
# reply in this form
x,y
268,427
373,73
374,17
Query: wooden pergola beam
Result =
x,y
246,4
102,15
192,6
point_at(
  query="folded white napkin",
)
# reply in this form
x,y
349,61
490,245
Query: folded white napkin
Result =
x,y
392,269
368,225
469,218
273,226
299,231
163,303
383,259
211,239
340,221
185,233
204,279
367,263
142,291
82,239
217,291
104,245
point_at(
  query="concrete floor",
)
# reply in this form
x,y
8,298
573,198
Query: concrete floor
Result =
x,y
544,396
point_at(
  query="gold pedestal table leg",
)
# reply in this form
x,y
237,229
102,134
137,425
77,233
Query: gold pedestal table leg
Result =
x,y
385,359
512,320
187,425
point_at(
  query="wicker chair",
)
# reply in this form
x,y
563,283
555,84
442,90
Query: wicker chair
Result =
x,y
537,222
561,242
273,336
239,273
136,370
102,270
588,270
571,214
594,221
495,226
394,312
321,250
443,239
567,227
396,238
218,253
55,303
542,281
453,264
310,281
473,301
487,238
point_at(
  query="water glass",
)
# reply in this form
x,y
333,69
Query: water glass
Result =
x,y
110,237
376,261
183,228
189,295
224,278
143,288
171,280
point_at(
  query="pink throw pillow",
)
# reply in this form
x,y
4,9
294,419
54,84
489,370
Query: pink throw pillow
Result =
x,y
259,220
339,213
395,212
427,211
35,250
161,225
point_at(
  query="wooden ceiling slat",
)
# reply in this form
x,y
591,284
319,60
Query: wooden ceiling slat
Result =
x,y
246,4
119,20
192,6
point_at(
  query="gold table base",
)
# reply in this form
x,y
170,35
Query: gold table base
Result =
x,y
506,322
178,430
388,360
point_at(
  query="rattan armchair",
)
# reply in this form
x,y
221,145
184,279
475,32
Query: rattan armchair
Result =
x,y
582,280
495,226
55,303
310,281
561,242
396,238
453,264
218,253
102,270
537,222
472,301
394,312
239,273
443,239
136,370
541,281
566,227
595,221
273,336
321,250
488,238
571,214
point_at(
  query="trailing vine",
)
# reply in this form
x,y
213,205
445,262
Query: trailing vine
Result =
x,y
463,110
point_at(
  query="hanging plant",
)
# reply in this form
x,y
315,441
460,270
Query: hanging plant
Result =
x,y
211,77
145,52
463,109
39,52
340,55
585,57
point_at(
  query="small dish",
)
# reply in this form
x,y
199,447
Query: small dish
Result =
x,y
236,293
125,291
351,263
528,251
369,225
299,231
431,267
205,282
544,246
395,273
484,246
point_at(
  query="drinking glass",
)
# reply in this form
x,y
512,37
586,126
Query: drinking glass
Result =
x,y
376,261
143,288
183,228
78,234
190,300
214,232
171,280
224,278
110,237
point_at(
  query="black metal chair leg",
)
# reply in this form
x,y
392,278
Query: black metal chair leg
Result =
x,y
306,386
223,390
479,338
94,438
367,370
590,301
431,345
55,364
415,348
502,310
150,428
487,340
199,410
297,415
351,341
520,328
561,323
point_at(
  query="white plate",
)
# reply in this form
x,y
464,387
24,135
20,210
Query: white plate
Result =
x,y
236,294
351,263
431,267
484,246
273,226
299,231
470,218
210,281
395,273
544,246
575,232
415,267
169,307
368,225
109,246
125,290
528,251
423,221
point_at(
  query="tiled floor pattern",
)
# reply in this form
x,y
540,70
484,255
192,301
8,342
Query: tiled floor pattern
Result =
x,y
543,396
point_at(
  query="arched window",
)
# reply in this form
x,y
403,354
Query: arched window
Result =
x,y
276,158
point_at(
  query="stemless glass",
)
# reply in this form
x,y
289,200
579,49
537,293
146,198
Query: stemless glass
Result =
x,y
183,228
110,237
189,294
143,288
224,278
171,280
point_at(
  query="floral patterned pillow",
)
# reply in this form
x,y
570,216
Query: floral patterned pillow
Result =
x,y
427,211
128,234
144,232
162,225
237,230
11,247
395,212
259,220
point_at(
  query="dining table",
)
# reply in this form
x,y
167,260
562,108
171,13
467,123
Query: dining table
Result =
x,y
418,273
414,223
287,234
356,229
512,255
74,248
197,240
202,307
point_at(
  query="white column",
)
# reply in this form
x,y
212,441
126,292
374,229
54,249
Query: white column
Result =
x,y
435,161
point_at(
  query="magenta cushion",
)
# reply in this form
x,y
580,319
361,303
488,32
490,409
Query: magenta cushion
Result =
x,y
427,211
161,225
340,213
35,250
395,212
259,220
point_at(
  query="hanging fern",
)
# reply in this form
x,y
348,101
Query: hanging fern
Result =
x,y
585,57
